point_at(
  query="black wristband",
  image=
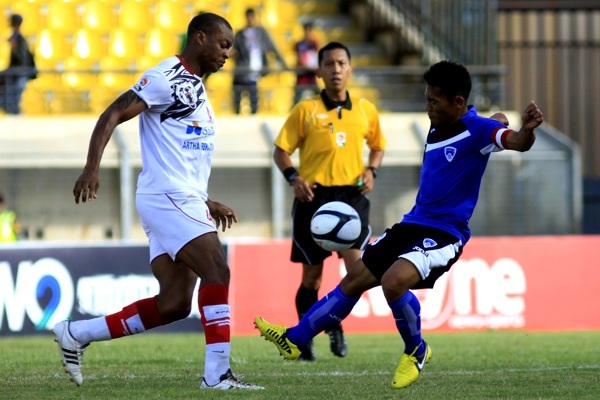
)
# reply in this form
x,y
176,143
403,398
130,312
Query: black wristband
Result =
x,y
290,174
374,171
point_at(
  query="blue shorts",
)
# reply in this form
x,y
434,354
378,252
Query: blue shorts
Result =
x,y
431,250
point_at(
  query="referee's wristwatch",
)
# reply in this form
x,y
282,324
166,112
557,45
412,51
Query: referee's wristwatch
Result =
x,y
373,170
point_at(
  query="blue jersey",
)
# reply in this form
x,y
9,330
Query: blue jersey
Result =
x,y
453,165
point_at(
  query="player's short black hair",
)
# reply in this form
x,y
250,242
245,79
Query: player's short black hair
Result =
x,y
452,78
332,46
206,22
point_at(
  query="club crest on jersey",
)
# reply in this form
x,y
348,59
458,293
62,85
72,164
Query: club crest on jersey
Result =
x,y
449,152
186,93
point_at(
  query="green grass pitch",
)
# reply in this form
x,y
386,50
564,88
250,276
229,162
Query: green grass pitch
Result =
x,y
483,365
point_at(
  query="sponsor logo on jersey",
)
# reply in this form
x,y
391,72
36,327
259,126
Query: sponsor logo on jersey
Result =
x,y
200,130
449,152
188,145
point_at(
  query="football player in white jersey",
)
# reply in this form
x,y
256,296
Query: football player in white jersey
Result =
x,y
176,127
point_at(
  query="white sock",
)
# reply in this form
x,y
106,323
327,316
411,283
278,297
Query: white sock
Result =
x,y
216,362
90,330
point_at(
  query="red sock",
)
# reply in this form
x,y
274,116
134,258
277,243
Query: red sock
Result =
x,y
215,313
134,318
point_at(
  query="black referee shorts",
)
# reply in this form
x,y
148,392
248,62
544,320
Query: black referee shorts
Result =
x,y
304,248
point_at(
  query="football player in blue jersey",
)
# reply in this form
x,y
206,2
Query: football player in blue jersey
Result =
x,y
415,252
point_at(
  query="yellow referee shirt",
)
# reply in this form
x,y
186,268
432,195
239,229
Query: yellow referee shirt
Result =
x,y
331,138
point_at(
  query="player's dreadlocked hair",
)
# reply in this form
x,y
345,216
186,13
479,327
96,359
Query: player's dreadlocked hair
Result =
x,y
452,78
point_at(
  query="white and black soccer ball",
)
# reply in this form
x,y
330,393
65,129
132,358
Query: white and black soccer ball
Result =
x,y
335,226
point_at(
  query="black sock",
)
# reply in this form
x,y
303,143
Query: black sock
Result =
x,y
305,298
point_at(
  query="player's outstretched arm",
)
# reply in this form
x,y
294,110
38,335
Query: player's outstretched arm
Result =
x,y
522,140
125,107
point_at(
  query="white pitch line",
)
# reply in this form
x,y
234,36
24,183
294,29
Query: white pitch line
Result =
x,y
455,372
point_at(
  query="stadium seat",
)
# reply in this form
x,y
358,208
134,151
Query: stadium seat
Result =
x,y
219,89
276,93
214,6
88,44
161,44
172,16
80,74
64,16
146,62
34,101
135,15
100,15
40,93
125,45
116,75
52,48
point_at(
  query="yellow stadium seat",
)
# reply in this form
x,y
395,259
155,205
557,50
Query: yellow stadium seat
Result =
x,y
52,48
80,74
39,93
116,75
100,15
172,15
146,62
214,6
35,102
161,44
64,16
89,44
135,15
125,44
279,14
218,87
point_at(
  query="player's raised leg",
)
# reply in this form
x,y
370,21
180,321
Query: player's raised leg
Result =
x,y
326,312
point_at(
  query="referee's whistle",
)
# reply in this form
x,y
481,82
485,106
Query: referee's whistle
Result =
x,y
360,183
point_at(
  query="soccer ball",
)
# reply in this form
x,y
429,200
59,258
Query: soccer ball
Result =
x,y
335,226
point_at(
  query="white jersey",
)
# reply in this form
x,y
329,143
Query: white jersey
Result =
x,y
176,131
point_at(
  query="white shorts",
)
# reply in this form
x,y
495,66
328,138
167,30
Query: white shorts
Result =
x,y
171,220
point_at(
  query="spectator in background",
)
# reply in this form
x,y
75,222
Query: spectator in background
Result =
x,y
250,49
21,68
307,62
9,228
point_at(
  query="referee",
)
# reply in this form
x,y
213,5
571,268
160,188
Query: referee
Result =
x,y
330,130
